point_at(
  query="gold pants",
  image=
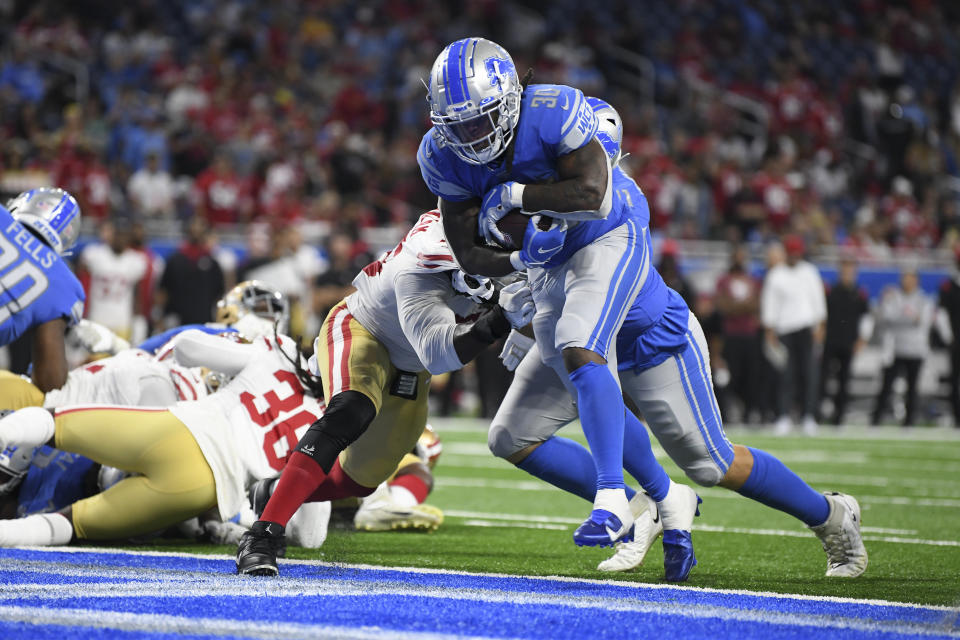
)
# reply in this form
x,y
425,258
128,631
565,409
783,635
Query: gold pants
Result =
x,y
17,392
350,358
175,481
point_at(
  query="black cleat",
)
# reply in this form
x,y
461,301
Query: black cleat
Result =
x,y
258,549
259,494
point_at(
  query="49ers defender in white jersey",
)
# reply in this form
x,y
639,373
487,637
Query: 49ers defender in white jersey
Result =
x,y
192,457
375,353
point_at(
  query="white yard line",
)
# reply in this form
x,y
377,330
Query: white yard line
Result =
x,y
708,492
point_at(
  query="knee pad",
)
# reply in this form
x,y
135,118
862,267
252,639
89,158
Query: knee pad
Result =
x,y
502,442
347,416
704,472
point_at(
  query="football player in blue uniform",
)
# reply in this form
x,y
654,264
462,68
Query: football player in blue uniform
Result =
x,y
498,145
664,370
38,290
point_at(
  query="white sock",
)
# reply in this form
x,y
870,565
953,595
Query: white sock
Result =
x,y
30,427
615,501
39,530
402,496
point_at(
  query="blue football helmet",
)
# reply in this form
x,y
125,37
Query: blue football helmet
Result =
x,y
474,95
51,213
610,131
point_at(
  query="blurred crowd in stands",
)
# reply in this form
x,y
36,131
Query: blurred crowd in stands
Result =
x,y
836,123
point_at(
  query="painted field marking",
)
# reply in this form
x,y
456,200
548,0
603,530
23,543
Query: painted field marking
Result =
x,y
484,519
711,492
93,551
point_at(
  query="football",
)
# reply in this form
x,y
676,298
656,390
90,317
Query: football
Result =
x,y
514,224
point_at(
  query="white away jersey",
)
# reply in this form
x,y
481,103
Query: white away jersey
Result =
x,y
117,380
113,280
248,428
379,307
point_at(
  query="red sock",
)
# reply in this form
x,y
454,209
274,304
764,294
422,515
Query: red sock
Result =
x,y
414,484
297,481
338,485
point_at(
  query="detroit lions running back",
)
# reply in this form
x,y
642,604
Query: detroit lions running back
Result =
x,y
493,146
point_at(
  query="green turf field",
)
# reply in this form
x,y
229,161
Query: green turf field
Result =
x,y
499,519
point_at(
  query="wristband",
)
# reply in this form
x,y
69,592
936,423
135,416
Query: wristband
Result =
x,y
517,262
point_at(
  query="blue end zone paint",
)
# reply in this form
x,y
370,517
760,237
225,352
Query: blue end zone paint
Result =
x,y
406,602
9,630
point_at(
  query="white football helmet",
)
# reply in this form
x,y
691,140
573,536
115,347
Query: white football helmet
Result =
x,y
474,95
254,309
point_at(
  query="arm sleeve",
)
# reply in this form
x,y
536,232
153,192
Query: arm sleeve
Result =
x,y
198,349
428,323
437,173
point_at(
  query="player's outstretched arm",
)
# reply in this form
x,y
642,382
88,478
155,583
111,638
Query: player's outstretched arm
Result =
x,y
195,348
584,190
49,356
460,227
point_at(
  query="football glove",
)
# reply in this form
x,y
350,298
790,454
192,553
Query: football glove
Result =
x,y
497,203
539,246
96,338
477,288
517,302
515,348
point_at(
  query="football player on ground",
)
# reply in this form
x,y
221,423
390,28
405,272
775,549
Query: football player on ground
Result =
x,y
499,145
148,375
665,370
38,290
376,352
191,458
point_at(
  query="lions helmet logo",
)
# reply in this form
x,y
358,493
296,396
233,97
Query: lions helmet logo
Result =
x,y
498,69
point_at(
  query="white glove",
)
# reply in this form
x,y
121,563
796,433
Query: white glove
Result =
x,y
477,288
96,338
515,348
517,302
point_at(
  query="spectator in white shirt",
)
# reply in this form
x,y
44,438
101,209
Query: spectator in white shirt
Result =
x,y
151,190
792,311
904,316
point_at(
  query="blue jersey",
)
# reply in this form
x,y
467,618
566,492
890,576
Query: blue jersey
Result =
x,y
55,480
153,343
36,285
554,120
656,324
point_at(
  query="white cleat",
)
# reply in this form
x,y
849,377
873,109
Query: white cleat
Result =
x,y
647,528
379,512
840,537
679,507
810,426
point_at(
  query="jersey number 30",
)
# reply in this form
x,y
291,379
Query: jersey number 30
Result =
x,y
276,406
11,301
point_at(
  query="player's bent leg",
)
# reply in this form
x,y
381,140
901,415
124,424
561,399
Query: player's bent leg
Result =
x,y
17,392
399,503
176,481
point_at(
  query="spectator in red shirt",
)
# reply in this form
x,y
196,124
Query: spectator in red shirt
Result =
x,y
738,302
220,193
774,192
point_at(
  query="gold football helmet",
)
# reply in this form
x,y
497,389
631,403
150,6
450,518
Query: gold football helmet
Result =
x,y
254,309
